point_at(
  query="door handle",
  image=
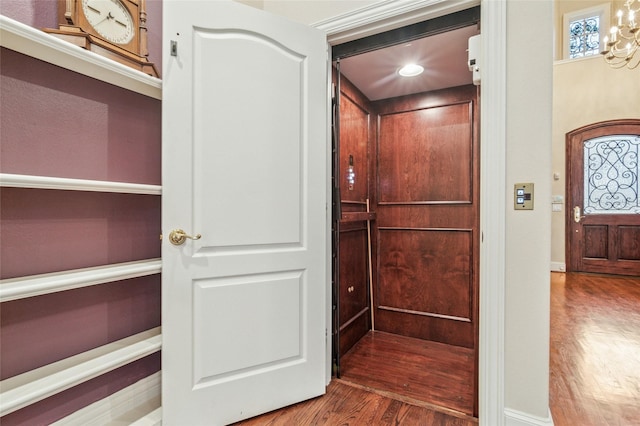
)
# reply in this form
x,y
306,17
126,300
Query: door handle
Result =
x,y
178,237
576,214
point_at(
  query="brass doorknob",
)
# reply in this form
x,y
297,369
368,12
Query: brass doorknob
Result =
x,y
178,237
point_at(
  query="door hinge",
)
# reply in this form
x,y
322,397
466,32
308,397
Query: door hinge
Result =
x,y
174,48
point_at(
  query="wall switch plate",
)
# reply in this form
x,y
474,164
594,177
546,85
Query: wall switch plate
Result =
x,y
556,207
523,196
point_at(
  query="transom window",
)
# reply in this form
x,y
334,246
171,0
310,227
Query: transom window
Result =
x,y
583,31
584,37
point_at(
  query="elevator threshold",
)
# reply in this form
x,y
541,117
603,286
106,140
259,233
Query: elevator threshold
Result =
x,y
420,372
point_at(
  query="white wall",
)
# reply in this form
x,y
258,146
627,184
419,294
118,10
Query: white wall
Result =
x,y
527,239
529,99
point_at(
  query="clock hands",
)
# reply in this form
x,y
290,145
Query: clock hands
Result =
x,y
98,12
106,18
110,17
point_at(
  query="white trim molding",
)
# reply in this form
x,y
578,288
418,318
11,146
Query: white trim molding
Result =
x,y
153,418
9,180
492,212
386,15
36,285
518,418
391,14
28,388
558,267
24,39
127,406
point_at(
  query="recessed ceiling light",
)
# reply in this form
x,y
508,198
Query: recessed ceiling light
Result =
x,y
410,70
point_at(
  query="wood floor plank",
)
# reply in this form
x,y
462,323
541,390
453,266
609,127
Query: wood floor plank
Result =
x,y
348,405
594,350
426,371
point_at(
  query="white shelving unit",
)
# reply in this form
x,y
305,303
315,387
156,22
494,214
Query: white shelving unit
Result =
x,y
35,385
30,387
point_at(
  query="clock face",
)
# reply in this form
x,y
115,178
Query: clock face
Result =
x,y
110,19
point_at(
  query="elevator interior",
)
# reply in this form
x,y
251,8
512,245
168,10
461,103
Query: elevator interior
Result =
x,y
406,213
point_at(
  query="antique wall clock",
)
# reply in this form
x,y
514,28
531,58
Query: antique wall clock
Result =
x,y
116,29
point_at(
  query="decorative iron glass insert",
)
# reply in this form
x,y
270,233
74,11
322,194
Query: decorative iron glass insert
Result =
x,y
584,37
611,175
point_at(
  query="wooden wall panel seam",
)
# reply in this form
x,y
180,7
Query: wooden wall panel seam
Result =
x,y
394,228
424,203
423,313
354,318
360,229
424,107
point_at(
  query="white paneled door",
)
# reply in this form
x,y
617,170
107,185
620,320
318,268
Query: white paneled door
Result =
x,y
245,175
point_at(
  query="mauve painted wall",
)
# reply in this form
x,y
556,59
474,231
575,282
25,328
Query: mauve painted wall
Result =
x,y
48,231
36,13
66,323
54,122
59,123
44,14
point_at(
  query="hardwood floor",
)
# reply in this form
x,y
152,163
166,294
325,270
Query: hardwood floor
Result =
x,y
430,372
594,350
388,379
348,405
594,368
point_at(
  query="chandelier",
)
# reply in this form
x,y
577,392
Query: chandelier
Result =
x,y
619,49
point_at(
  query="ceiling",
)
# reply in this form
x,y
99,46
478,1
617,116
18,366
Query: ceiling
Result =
x,y
443,56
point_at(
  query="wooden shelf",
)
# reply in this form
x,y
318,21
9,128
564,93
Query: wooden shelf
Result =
x,y
24,39
357,216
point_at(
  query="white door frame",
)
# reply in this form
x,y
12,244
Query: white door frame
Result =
x,y
390,14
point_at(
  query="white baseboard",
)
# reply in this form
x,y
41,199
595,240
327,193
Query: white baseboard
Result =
x,y
121,408
154,418
558,267
518,418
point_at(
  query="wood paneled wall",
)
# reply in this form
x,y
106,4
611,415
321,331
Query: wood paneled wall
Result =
x,y
354,294
428,217
416,159
357,138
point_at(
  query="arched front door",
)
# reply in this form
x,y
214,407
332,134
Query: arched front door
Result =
x,y
603,205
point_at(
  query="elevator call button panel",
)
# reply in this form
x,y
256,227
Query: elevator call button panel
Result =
x,y
523,196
